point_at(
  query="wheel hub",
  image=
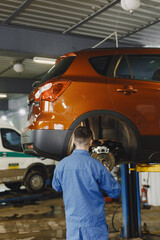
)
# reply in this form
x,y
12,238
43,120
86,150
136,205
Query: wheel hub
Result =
x,y
36,182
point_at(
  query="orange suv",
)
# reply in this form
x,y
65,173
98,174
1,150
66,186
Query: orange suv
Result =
x,y
116,92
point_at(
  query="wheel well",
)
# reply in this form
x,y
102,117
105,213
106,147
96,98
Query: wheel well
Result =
x,y
37,167
111,125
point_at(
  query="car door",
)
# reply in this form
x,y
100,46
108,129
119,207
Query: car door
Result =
x,y
135,92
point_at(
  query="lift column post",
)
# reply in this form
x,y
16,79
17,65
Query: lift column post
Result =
x,y
130,201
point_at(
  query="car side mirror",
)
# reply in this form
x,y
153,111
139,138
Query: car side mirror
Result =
x,y
35,84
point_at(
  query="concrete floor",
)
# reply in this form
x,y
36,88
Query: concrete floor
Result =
x,y
43,219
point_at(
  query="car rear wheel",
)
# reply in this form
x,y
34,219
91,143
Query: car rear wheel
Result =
x,y
35,182
118,138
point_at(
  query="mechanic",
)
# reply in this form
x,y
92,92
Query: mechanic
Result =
x,y
81,178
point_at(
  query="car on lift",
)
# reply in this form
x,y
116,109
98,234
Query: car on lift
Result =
x,y
17,168
116,92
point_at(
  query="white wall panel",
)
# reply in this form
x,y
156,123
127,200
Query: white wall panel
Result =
x,y
153,180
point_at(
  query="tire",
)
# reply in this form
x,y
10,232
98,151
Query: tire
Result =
x,y
35,182
15,186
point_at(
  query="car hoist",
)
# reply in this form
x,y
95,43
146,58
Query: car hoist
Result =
x,y
131,208
144,167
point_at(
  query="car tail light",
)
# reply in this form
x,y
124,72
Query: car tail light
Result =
x,y
51,91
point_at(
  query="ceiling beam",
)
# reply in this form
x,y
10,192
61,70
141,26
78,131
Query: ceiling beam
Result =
x,y
16,85
104,8
20,9
41,43
34,42
140,29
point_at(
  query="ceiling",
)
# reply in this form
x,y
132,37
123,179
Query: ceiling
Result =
x,y
50,28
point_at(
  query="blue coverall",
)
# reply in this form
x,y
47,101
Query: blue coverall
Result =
x,y
81,179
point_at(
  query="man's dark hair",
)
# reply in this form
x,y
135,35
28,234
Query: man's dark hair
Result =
x,y
83,135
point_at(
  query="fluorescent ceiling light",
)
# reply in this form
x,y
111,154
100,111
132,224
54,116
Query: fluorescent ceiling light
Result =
x,y
22,111
44,60
4,118
2,95
11,123
152,46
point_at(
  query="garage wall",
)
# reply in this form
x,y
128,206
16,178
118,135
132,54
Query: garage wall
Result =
x,y
13,115
19,122
153,180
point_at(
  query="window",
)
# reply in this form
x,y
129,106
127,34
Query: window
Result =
x,y
100,64
145,67
11,140
60,68
123,70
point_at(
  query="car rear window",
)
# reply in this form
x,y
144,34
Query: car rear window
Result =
x,y
60,68
100,64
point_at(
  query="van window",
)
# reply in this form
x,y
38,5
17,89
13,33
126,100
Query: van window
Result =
x,y
145,67
123,70
60,68
100,64
11,140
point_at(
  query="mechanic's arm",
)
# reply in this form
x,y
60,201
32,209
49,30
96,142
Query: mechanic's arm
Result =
x,y
56,183
109,184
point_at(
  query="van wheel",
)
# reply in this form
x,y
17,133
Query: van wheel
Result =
x,y
35,182
13,186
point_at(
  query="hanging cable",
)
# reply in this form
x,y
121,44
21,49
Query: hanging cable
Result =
x,y
113,218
